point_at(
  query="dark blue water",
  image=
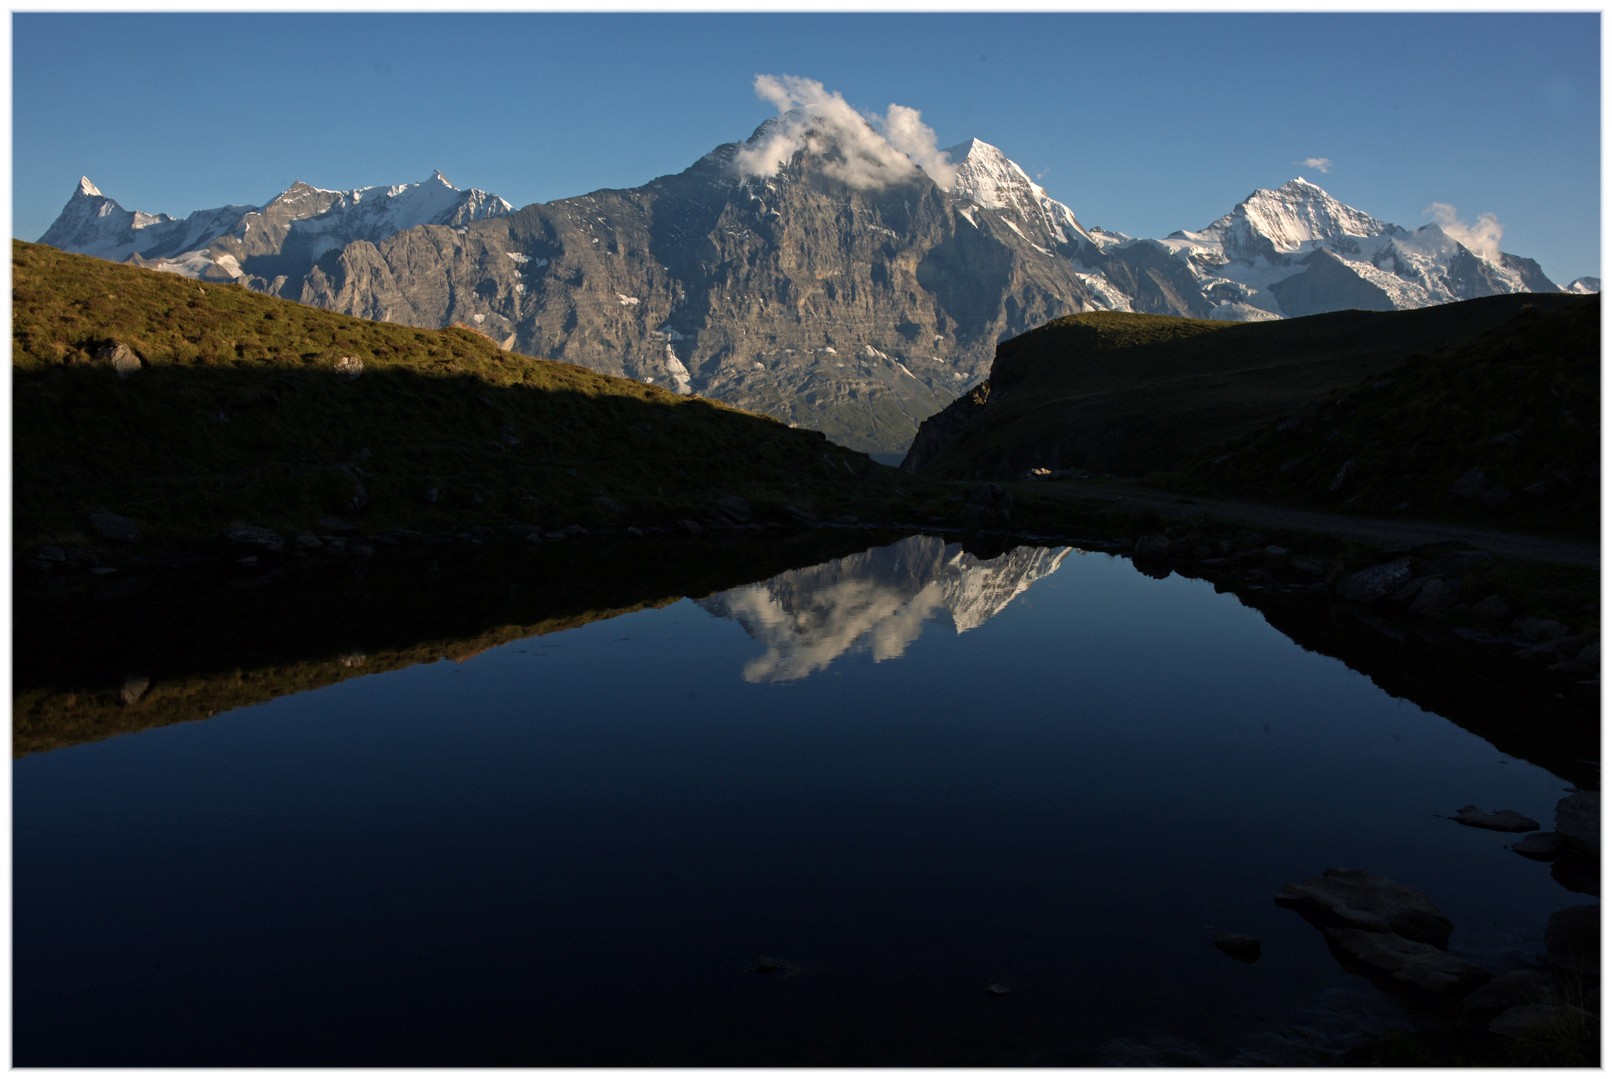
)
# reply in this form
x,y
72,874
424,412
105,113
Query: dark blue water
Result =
x,y
572,849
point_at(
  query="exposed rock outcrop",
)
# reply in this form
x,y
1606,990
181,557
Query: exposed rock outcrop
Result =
x,y
1356,899
1406,962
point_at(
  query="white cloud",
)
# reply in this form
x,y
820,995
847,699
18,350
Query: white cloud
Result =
x,y
1319,164
850,144
906,131
1481,237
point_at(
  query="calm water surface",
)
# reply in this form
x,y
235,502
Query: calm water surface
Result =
x,y
908,775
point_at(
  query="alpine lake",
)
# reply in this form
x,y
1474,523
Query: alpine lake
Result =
x,y
844,799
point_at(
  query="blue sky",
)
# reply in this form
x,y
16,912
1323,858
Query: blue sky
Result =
x,y
1141,123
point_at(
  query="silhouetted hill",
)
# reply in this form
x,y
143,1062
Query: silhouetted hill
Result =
x,y
1509,383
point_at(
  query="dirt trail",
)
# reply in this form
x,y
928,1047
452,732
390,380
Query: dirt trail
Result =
x,y
1386,532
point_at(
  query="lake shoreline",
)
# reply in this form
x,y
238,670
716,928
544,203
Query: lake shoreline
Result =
x,y
1301,604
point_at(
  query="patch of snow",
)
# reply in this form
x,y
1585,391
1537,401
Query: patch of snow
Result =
x,y
680,375
627,301
1110,297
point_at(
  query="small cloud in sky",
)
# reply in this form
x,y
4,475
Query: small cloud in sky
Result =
x,y
872,150
1481,237
1318,164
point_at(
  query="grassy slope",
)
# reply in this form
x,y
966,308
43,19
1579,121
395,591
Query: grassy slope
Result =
x,y
1521,402
1134,394
237,415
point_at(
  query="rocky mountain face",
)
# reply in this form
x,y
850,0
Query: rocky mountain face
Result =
x,y
877,600
856,311
854,305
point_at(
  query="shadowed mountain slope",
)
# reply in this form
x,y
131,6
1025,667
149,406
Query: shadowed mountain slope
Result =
x,y
188,407
1138,394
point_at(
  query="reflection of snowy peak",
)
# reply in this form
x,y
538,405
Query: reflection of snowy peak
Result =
x,y
977,591
878,600
283,236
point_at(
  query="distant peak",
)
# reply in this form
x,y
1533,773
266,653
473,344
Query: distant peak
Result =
x,y
975,148
1298,188
88,189
436,175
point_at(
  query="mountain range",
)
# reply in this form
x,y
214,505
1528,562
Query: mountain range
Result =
x,y
789,274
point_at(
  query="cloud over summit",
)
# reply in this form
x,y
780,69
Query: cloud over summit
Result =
x,y
862,150
1481,237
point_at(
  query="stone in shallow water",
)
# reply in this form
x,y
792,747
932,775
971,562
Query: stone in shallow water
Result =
x,y
1244,949
1501,820
1541,845
1356,899
1578,819
775,967
1407,962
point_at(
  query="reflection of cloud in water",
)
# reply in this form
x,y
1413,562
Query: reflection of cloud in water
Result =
x,y
877,599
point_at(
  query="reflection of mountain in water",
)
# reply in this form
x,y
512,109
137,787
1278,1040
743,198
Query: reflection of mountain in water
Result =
x,y
880,599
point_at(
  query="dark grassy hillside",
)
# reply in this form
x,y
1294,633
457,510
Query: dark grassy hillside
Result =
x,y
1134,394
233,407
1503,428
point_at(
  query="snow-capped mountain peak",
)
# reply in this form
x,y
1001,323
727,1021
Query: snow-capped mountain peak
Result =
x,y
1295,217
987,178
94,224
223,243
1299,213
1296,250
